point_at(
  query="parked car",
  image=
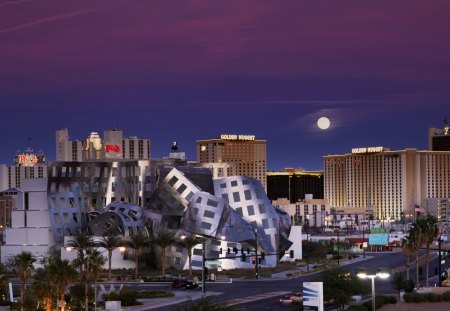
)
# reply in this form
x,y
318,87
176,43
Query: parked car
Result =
x,y
183,283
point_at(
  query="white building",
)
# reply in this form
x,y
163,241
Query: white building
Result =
x,y
30,222
113,146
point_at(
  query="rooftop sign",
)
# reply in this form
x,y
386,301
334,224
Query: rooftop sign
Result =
x,y
237,137
367,150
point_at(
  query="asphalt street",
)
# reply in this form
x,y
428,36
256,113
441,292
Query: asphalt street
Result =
x,y
262,294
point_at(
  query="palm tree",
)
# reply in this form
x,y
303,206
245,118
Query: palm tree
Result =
x,y
23,264
416,236
189,242
81,241
164,238
137,241
430,232
91,263
53,279
110,242
409,248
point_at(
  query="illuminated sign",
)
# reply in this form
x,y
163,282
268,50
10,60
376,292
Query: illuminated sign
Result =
x,y
237,137
367,150
112,148
26,159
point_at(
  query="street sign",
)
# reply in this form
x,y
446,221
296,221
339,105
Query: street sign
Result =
x,y
214,262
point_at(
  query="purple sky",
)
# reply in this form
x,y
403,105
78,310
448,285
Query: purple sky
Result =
x,y
186,70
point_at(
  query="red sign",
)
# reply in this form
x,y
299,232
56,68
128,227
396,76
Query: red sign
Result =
x,y
112,148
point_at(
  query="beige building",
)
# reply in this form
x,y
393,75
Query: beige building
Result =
x,y
389,184
308,212
112,146
245,155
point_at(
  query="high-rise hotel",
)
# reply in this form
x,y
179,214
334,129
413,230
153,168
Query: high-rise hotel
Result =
x,y
113,146
243,155
389,184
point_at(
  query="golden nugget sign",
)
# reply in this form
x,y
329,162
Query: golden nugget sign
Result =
x,y
367,150
237,137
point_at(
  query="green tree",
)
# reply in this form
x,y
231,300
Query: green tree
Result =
x,y
110,242
137,241
4,290
164,238
398,282
23,265
189,242
314,251
340,285
430,231
51,281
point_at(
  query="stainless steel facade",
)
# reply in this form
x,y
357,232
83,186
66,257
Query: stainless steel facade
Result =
x,y
124,197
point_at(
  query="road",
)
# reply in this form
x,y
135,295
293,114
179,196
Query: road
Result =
x,y
262,294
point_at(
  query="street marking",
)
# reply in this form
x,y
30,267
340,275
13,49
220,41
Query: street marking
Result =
x,y
255,298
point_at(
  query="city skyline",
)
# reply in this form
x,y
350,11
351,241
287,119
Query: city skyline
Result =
x,y
171,71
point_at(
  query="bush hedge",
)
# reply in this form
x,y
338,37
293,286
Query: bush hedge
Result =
x,y
380,301
126,296
357,308
426,297
155,294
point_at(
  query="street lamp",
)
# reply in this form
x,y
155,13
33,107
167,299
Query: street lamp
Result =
x,y
204,261
372,274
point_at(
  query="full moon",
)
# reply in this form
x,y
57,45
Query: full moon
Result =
x,y
323,123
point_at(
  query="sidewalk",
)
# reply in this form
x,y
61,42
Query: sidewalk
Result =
x,y
180,296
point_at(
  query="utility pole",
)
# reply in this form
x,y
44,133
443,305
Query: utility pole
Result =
x,y
256,253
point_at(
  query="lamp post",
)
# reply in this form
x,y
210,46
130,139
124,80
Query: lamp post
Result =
x,y
364,242
372,274
439,261
255,230
204,261
338,255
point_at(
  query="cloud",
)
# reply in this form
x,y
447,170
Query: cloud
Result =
x,y
47,20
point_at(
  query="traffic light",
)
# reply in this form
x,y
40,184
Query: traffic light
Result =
x,y
206,270
254,260
263,256
259,260
242,251
248,251
243,258
228,251
220,251
291,253
235,250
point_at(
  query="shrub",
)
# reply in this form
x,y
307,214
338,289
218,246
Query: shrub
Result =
x,y
446,296
390,300
155,294
126,296
357,308
432,297
417,298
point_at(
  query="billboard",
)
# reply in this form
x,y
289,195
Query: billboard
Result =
x,y
378,239
313,296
